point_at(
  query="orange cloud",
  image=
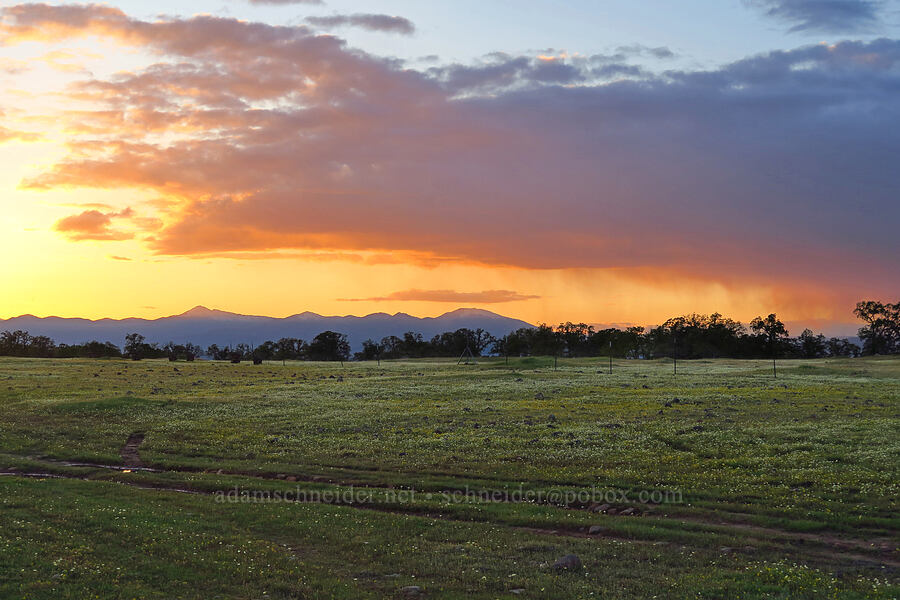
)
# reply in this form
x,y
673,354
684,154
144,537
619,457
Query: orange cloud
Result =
x,y
449,296
93,225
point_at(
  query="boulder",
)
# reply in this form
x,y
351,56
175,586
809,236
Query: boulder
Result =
x,y
569,562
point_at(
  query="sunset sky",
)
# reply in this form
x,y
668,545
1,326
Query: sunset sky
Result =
x,y
599,161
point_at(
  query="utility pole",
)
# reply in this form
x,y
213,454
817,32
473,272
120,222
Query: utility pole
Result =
x,y
774,371
675,354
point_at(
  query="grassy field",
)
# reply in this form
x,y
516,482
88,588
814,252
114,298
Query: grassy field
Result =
x,y
427,479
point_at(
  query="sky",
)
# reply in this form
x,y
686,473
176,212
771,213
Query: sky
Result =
x,y
606,162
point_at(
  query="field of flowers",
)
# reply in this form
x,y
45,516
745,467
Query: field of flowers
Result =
x,y
204,480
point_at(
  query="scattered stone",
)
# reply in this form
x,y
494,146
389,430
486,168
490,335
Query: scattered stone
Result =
x,y
627,512
539,396
602,508
517,591
612,511
596,530
726,550
291,478
411,591
569,562
281,476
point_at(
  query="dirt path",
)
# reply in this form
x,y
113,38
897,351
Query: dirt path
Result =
x,y
843,552
881,548
129,451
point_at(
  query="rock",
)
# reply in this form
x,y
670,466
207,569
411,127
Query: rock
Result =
x,y
612,511
539,396
291,478
569,562
411,591
601,508
517,591
519,380
627,512
726,550
596,530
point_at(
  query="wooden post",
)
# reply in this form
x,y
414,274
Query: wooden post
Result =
x,y
675,354
774,371
610,357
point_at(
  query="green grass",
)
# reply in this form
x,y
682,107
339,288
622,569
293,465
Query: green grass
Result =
x,y
778,487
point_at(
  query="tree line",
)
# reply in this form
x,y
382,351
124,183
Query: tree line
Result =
x,y
687,337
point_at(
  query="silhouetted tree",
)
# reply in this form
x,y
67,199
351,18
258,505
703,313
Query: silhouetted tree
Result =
x,y
881,334
810,345
772,330
371,350
134,346
329,345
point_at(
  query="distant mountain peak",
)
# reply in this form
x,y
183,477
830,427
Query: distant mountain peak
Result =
x,y
305,315
201,312
470,312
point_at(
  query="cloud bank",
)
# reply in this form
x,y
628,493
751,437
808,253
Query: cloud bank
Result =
x,y
777,167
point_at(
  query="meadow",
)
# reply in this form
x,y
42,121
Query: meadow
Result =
x,y
156,479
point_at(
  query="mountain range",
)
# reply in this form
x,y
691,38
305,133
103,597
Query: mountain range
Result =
x,y
204,326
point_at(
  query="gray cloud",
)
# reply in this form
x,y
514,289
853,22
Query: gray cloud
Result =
x,y
659,52
372,22
828,16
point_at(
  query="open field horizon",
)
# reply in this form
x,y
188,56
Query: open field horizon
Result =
x,y
674,226
124,478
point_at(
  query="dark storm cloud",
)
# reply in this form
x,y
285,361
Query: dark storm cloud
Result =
x,y
829,16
